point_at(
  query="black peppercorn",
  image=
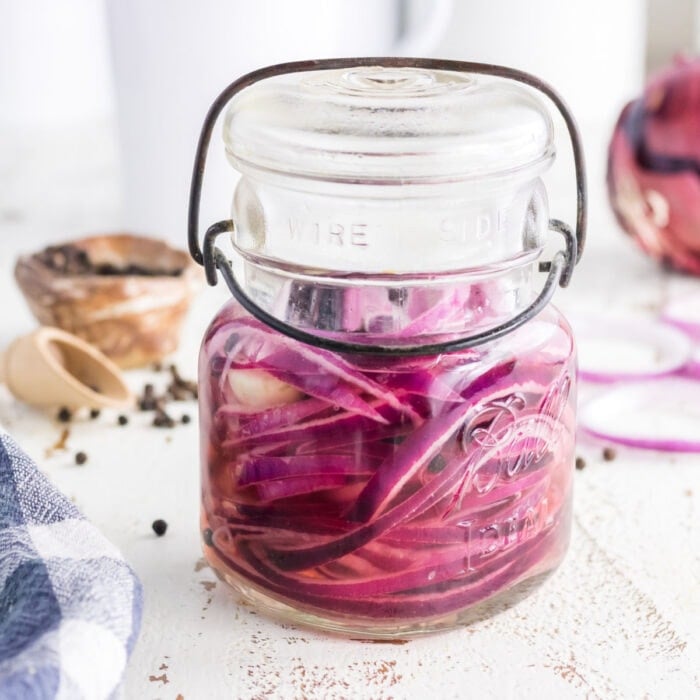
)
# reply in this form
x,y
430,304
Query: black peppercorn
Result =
x,y
231,342
159,527
80,458
398,296
122,420
64,414
609,454
437,464
185,419
394,440
580,463
94,413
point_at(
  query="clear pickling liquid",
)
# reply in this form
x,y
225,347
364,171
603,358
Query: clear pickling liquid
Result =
x,y
386,496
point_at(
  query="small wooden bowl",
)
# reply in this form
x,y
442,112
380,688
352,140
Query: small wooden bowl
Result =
x,y
134,319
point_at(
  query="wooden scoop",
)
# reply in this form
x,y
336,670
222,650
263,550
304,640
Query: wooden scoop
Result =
x,y
51,367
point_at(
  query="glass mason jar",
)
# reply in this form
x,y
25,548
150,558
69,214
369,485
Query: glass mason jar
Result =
x,y
387,404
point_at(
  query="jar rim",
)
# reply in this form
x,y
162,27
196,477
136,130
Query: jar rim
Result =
x,y
296,271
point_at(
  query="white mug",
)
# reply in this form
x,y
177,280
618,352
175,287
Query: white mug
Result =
x,y
592,51
172,57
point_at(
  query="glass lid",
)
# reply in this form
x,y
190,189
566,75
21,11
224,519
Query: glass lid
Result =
x,y
379,124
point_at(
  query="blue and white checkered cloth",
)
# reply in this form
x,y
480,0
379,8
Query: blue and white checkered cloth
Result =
x,y
70,606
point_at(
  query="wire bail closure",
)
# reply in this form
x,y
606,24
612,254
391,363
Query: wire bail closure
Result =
x,y
212,258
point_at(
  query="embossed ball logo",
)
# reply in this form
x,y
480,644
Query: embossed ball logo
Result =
x,y
504,440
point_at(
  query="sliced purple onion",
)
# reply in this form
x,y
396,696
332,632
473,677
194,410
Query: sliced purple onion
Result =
x,y
418,449
265,468
307,557
425,602
250,422
662,414
421,382
328,388
326,361
320,504
274,489
625,350
340,426
411,456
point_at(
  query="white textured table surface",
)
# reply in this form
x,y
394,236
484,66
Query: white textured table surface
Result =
x,y
619,619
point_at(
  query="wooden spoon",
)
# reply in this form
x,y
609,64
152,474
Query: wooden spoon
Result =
x,y
51,367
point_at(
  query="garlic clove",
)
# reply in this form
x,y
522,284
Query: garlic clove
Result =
x,y
258,389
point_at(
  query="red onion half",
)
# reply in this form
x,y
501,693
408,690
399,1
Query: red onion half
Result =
x,y
654,167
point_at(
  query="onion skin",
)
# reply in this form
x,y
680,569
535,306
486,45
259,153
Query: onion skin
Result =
x,y
654,167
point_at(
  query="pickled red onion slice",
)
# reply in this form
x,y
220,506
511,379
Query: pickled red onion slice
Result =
x,y
663,414
611,351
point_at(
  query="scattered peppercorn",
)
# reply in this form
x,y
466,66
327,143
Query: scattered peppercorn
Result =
x,y
162,419
80,458
580,463
208,537
64,414
94,413
609,454
70,259
178,389
65,259
122,420
159,527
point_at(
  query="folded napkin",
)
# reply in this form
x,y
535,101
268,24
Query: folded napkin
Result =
x,y
70,606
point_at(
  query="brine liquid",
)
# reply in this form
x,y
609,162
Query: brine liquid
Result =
x,y
388,496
